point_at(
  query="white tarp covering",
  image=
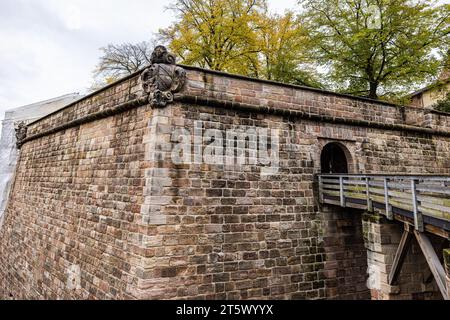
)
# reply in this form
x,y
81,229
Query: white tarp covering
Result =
x,y
8,159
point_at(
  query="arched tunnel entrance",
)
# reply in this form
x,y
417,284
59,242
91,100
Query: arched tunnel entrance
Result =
x,y
333,158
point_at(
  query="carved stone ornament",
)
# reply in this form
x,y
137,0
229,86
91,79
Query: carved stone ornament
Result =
x,y
21,133
162,78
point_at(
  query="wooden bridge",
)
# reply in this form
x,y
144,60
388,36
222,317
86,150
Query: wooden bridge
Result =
x,y
421,202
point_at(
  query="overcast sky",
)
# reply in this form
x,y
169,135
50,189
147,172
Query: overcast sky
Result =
x,y
49,48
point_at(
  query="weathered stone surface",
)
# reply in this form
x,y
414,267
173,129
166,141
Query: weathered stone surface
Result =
x,y
162,79
9,143
107,197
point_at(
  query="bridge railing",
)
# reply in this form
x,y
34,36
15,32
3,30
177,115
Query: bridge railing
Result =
x,y
424,198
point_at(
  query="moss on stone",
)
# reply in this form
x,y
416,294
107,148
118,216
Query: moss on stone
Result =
x,y
446,253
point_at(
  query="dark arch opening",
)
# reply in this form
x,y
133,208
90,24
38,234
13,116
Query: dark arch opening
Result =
x,y
333,159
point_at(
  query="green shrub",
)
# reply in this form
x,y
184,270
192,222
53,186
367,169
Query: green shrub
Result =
x,y
444,104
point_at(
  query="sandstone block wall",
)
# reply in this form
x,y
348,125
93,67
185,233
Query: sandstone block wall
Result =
x,y
8,148
346,263
75,206
100,210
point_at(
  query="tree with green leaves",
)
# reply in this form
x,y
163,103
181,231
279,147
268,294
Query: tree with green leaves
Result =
x,y
283,56
377,48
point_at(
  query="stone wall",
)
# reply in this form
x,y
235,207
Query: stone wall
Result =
x,y
346,263
101,210
8,148
75,206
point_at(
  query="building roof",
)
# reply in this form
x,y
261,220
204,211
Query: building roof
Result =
x,y
429,87
443,78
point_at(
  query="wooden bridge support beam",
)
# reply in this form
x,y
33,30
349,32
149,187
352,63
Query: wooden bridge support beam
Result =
x,y
400,255
433,262
428,278
446,254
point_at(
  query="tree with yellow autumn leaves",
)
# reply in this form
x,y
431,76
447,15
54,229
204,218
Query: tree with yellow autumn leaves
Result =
x,y
240,36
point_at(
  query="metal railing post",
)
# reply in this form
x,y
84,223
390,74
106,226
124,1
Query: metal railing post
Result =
x,y
341,191
389,213
369,201
320,189
418,219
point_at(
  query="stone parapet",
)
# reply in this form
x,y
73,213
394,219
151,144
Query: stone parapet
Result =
x,y
227,89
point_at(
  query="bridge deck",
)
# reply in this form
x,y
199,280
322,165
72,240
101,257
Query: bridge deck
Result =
x,y
423,200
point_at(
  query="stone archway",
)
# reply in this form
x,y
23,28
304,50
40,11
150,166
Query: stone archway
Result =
x,y
335,158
